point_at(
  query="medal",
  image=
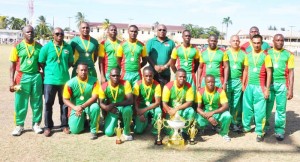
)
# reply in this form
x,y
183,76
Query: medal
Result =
x,y
186,63
58,61
275,65
29,61
148,103
87,54
81,98
210,108
254,69
131,59
234,66
210,66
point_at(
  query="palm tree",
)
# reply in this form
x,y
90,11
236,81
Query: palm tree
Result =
x,y
16,23
80,17
3,22
227,21
105,26
42,29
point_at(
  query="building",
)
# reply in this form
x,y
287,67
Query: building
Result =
x,y
10,36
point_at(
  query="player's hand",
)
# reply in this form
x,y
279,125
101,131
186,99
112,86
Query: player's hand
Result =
x,y
243,87
11,88
213,121
224,86
208,115
78,110
172,112
157,68
142,118
266,93
103,80
141,111
290,94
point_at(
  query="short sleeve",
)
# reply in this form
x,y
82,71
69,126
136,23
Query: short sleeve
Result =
x,y
43,54
291,62
268,61
67,92
101,50
225,56
198,98
96,89
223,98
127,88
189,94
246,63
166,94
13,57
158,91
197,54
144,52
201,59
136,90
120,51
101,93
174,54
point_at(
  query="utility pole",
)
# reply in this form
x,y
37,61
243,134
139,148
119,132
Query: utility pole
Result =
x,y
291,35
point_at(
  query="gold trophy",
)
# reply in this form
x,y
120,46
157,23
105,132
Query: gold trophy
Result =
x,y
192,131
118,131
176,123
158,125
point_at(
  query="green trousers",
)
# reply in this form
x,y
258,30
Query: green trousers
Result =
x,y
254,104
223,119
234,95
187,114
191,78
92,72
278,92
76,123
111,121
218,82
31,90
131,77
141,126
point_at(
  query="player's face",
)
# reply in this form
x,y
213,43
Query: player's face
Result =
x,y
84,29
112,32
58,35
235,42
212,42
278,42
181,78
82,71
186,36
114,76
210,83
133,32
256,44
28,33
161,31
253,31
148,76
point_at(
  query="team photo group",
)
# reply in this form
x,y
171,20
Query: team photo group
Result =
x,y
233,89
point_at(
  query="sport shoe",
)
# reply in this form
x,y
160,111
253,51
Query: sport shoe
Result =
x,y
47,132
259,138
235,128
37,129
127,137
18,131
93,136
216,128
66,130
279,137
226,138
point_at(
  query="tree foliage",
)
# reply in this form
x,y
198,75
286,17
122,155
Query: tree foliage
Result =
x,y
227,21
43,29
79,18
200,32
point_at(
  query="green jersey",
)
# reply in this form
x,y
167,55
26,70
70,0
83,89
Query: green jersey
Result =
x,y
236,63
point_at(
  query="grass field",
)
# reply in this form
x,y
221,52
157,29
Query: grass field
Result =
x,y
61,147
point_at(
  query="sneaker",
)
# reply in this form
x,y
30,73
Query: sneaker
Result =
x,y
235,128
216,128
259,138
127,137
93,136
66,130
37,129
18,131
47,132
226,138
279,137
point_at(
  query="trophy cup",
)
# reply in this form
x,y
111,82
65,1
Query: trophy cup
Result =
x,y
118,131
192,131
159,125
176,124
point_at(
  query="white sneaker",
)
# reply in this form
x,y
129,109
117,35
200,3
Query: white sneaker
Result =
x,y
127,137
226,138
18,131
37,129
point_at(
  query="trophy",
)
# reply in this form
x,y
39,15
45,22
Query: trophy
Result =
x,y
192,131
118,131
176,124
158,125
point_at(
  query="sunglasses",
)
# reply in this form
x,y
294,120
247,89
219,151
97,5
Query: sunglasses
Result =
x,y
114,75
164,30
57,34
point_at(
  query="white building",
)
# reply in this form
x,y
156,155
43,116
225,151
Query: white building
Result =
x,y
10,36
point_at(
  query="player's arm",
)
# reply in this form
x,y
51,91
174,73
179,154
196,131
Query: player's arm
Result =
x,y
174,57
226,72
144,61
200,69
12,71
291,84
196,63
101,69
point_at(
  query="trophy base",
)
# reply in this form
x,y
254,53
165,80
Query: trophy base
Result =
x,y
118,141
177,142
158,142
192,142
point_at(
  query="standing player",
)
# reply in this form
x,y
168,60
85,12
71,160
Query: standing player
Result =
x,y
236,58
282,86
159,51
215,62
24,59
129,54
256,86
108,53
85,49
147,98
248,46
187,58
56,57
80,94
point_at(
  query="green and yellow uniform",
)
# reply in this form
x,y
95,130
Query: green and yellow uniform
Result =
x,y
213,65
108,52
211,101
234,84
282,61
84,51
175,96
146,96
114,95
131,54
248,47
28,77
254,102
185,59
78,92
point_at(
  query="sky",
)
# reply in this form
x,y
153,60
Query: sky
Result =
x,y
204,13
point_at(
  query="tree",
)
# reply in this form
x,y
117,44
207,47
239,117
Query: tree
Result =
x,y
270,27
80,17
105,24
282,29
16,23
43,30
195,30
227,21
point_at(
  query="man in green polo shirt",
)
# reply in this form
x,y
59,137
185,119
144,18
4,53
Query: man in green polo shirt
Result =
x,y
282,85
27,82
159,51
55,57
80,95
85,49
